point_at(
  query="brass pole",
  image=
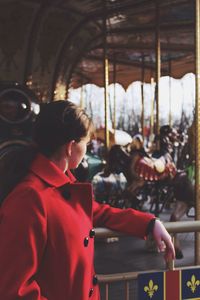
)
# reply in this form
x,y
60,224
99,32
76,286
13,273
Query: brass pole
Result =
x,y
158,63
106,101
172,227
81,97
106,82
67,92
152,107
197,128
114,94
142,97
170,94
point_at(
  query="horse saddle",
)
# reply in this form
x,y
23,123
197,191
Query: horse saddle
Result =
x,y
153,169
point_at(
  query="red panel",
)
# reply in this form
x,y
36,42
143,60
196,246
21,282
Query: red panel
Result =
x,y
172,285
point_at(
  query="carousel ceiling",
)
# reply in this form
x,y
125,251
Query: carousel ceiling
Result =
x,y
44,43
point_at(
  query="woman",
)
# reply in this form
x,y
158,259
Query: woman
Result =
x,y
47,219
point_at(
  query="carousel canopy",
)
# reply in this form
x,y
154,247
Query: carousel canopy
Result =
x,y
47,42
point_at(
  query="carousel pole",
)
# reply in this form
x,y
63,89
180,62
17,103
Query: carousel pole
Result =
x,y
67,91
81,97
142,96
158,64
106,79
157,94
114,94
152,108
170,95
197,129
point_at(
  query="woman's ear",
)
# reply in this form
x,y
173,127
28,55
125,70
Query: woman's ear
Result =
x,y
69,146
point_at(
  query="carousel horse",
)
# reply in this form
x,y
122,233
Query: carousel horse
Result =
x,y
182,183
138,166
156,171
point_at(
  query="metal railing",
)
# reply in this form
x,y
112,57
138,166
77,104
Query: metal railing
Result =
x,y
127,278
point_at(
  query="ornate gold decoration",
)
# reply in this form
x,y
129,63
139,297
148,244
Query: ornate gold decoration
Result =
x,y
151,288
193,283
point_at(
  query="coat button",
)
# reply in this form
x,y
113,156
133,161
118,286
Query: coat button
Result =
x,y
86,241
91,292
92,233
95,280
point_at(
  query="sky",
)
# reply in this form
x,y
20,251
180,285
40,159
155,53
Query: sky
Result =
x,y
180,92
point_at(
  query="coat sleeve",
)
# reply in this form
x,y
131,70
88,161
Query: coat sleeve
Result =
x,y
129,221
22,243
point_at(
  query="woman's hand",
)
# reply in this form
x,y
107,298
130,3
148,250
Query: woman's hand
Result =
x,y
163,241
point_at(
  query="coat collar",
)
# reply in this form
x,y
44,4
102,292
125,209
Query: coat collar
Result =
x,y
49,172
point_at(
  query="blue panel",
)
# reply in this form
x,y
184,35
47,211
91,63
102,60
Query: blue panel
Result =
x,y
151,286
191,284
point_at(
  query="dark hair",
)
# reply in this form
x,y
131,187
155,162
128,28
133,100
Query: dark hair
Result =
x,y
57,123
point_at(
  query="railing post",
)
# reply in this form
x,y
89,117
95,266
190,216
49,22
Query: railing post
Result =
x,y
127,290
107,288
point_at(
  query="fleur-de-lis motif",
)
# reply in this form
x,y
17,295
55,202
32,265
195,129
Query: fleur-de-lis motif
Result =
x,y
151,288
193,283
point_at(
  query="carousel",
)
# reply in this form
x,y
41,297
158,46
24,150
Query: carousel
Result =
x,y
49,47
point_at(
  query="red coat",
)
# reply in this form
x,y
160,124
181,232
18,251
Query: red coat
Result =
x,y
46,239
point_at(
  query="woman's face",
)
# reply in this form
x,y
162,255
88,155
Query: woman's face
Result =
x,y
78,151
